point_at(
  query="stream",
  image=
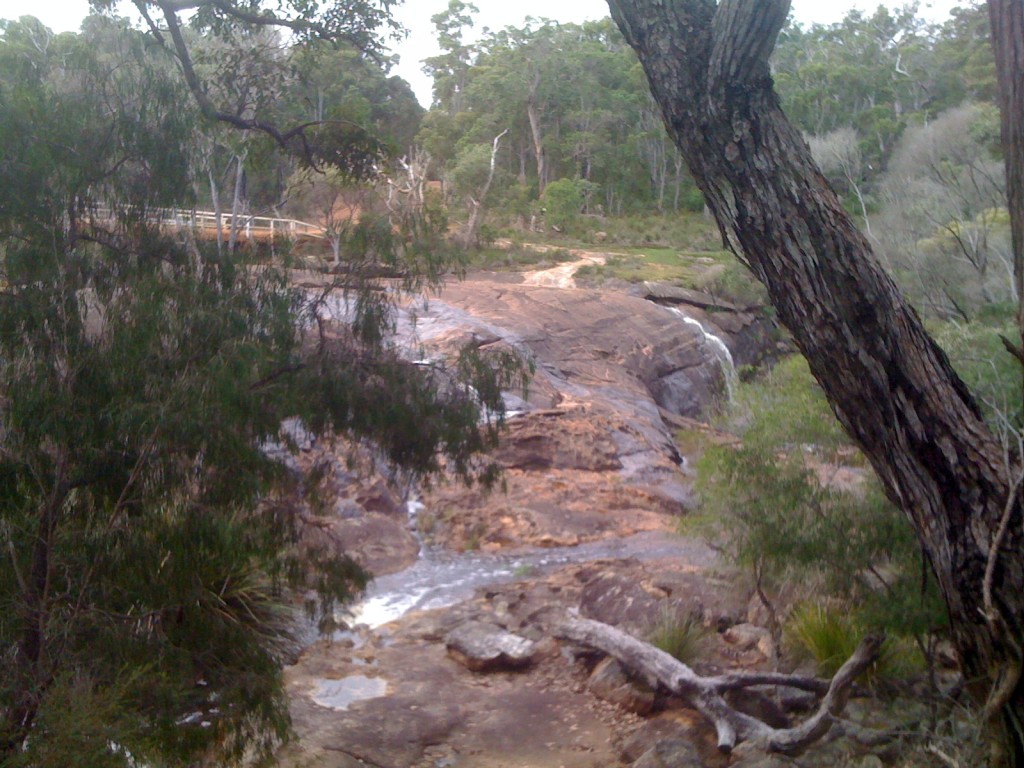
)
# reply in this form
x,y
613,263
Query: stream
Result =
x,y
440,578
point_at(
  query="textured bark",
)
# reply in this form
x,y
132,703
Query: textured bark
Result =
x,y
1007,21
887,381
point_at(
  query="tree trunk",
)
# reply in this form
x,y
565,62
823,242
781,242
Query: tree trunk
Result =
x,y
31,676
217,213
535,133
1007,21
476,204
889,384
236,203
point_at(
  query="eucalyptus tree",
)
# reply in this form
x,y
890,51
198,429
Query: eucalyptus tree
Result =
x,y
942,222
869,72
148,532
449,70
890,385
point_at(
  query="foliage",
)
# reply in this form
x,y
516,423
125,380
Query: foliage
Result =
x,y
573,100
772,503
150,389
880,72
517,257
829,632
942,225
979,355
577,106
563,202
681,636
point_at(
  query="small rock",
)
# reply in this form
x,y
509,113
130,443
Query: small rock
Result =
x,y
611,682
484,647
668,726
747,637
746,755
671,753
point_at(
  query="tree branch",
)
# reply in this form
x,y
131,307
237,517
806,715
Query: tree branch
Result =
x,y
744,37
706,693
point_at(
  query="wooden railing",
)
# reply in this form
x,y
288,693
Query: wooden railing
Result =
x,y
205,224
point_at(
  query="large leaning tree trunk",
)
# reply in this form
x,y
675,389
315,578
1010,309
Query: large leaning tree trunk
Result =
x,y
887,381
1007,22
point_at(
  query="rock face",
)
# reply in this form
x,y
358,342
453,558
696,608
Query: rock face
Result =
x,y
358,514
750,334
589,458
590,345
438,712
591,455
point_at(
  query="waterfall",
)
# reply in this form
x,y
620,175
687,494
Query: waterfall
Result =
x,y
722,352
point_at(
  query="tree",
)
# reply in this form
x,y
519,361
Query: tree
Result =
x,y
473,175
149,531
942,221
449,70
888,382
357,23
1007,20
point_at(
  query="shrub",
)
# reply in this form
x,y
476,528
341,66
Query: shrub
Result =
x,y
563,201
774,512
829,633
681,636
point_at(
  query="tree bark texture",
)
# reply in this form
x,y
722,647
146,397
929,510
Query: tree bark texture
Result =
x,y
887,381
1007,21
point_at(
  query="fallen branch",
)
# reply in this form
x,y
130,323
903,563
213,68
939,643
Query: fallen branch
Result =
x,y
706,693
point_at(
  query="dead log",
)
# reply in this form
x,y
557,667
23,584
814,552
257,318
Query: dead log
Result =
x,y
705,694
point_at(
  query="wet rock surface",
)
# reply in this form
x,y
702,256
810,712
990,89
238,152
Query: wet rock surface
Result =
x,y
751,335
466,674
437,709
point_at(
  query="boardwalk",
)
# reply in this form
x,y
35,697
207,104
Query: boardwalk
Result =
x,y
256,229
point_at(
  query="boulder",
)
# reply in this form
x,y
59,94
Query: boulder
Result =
x,y
671,753
750,638
615,600
379,544
681,725
611,682
484,647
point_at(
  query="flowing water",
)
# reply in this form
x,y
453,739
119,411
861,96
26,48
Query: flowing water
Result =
x,y
722,352
440,578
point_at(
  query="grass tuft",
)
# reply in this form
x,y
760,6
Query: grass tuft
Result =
x,y
681,636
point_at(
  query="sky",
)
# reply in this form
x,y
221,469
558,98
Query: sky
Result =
x,y
66,15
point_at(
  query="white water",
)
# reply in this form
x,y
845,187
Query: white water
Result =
x,y
722,352
441,578
562,276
